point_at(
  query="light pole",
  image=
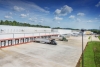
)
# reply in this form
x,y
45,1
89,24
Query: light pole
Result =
x,y
99,30
82,30
23,40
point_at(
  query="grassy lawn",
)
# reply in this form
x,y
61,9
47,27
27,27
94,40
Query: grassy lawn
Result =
x,y
92,55
99,37
89,37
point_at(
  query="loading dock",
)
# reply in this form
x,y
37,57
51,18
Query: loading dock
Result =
x,y
16,41
22,40
3,43
31,39
43,55
9,42
26,40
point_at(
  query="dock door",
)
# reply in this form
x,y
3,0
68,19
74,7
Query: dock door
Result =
x,y
9,42
3,43
26,40
22,40
31,39
16,41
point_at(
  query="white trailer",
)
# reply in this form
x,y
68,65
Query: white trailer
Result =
x,y
60,37
48,41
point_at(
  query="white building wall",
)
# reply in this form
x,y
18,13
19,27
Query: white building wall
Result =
x,y
41,34
62,31
18,35
20,29
6,36
20,32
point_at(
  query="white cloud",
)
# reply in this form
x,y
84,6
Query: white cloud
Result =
x,y
41,20
19,5
58,22
30,19
72,16
96,18
47,8
34,6
10,13
80,14
8,17
16,8
79,20
58,18
23,15
89,21
63,11
98,4
33,19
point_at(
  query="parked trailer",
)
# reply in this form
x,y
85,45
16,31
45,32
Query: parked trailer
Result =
x,y
61,38
48,41
58,38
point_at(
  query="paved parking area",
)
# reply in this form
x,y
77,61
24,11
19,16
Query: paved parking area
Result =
x,y
65,54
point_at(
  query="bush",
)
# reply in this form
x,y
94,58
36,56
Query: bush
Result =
x,y
64,39
99,37
89,37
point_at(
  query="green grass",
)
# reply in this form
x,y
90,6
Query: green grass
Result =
x,y
89,37
99,37
92,55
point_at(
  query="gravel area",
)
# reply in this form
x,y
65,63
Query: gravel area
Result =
x,y
65,54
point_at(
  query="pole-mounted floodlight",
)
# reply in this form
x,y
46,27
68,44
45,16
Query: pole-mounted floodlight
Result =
x,y
82,31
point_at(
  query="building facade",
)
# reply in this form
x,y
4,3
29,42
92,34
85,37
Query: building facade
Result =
x,y
15,35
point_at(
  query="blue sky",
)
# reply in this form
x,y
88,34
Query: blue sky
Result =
x,y
54,13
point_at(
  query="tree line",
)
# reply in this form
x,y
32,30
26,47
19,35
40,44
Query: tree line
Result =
x,y
65,28
15,23
97,31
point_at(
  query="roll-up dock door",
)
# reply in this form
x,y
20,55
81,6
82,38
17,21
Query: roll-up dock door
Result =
x,y
22,40
16,41
26,40
3,43
9,42
31,39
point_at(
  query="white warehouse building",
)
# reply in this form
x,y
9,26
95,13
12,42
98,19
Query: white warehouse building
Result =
x,y
62,31
15,35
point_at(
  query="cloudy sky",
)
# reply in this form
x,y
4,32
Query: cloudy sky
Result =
x,y
54,13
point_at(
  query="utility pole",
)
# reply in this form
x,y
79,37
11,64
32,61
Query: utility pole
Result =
x,y
82,49
99,30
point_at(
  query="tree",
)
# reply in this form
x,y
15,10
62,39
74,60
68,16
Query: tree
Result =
x,y
15,23
1,22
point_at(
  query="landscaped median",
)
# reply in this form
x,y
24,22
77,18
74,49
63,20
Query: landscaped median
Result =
x,y
91,55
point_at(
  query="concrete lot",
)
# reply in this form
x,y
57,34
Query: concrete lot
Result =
x,y
65,54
